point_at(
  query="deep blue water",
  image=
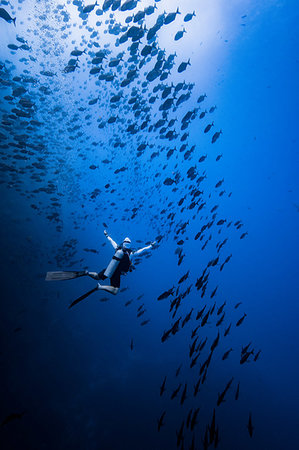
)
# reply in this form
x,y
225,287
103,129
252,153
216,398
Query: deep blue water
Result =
x,y
70,373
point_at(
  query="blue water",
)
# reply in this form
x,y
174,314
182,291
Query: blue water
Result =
x,y
69,378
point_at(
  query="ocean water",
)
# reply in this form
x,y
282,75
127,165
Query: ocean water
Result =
x,y
222,213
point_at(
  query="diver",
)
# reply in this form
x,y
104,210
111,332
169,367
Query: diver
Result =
x,y
119,265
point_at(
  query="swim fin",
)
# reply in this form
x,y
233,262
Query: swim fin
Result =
x,y
67,275
83,297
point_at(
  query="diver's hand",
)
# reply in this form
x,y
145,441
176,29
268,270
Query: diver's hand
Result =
x,y
153,243
105,233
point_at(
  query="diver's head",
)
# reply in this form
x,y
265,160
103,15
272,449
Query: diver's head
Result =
x,y
127,243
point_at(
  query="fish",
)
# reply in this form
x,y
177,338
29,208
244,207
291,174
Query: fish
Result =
x,y
223,393
216,136
5,15
237,391
189,16
11,417
183,66
179,34
180,437
178,370
166,294
184,396
226,354
257,355
193,419
171,17
144,322
196,387
212,428
162,388
227,330
175,392
250,426
215,342
245,357
160,421
240,321
208,127
184,277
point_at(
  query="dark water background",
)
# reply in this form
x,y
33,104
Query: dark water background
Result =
x,y
72,371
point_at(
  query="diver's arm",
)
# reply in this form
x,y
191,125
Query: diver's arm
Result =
x,y
113,243
141,250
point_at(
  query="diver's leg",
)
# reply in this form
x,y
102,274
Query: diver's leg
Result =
x,y
113,290
97,276
93,275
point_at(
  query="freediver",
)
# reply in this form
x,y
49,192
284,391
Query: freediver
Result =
x,y
120,264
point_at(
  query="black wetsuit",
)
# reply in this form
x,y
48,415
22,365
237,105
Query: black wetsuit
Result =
x,y
122,268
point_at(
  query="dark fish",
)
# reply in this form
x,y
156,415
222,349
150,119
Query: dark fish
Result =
x,y
250,426
180,437
189,16
212,428
131,345
171,16
201,98
219,322
77,52
168,181
216,136
241,320
184,277
243,235
89,8
237,391
225,356
217,185
150,10
178,370
160,421
175,392
183,66
208,127
4,15
193,420
165,335
179,34
200,313
194,360
184,396
222,395
245,357
205,442
12,47
221,309
237,305
196,387
257,355
245,349
189,418
144,322
11,417
162,387
166,294
215,342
